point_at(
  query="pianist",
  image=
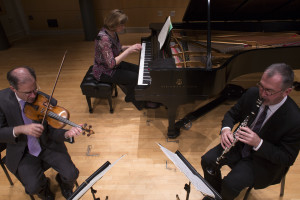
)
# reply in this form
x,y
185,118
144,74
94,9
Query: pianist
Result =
x,y
273,144
109,55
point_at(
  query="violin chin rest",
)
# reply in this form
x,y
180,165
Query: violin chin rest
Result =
x,y
53,101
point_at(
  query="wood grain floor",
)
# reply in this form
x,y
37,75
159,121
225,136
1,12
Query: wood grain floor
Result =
x,y
144,173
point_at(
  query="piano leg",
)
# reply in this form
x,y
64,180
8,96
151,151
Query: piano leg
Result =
x,y
173,132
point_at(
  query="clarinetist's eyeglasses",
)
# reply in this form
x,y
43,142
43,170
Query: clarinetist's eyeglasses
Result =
x,y
268,92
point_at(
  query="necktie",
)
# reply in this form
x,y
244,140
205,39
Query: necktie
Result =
x,y
256,128
33,144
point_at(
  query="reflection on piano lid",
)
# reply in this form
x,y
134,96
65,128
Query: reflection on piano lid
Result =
x,y
243,11
189,47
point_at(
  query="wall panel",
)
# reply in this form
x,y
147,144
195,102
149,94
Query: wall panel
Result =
x,y
140,12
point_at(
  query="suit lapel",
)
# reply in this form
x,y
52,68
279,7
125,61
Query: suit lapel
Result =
x,y
16,108
15,112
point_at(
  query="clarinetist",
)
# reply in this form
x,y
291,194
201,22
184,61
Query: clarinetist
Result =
x,y
267,146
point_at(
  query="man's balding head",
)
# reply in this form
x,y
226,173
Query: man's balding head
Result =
x,y
20,75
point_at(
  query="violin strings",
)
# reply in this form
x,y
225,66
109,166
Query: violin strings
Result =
x,y
64,120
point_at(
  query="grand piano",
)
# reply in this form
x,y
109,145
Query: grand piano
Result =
x,y
217,42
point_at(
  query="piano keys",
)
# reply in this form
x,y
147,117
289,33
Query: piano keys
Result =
x,y
145,57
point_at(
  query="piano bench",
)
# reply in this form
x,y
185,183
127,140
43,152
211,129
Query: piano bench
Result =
x,y
90,87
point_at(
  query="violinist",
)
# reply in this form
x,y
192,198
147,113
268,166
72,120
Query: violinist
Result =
x,y
30,144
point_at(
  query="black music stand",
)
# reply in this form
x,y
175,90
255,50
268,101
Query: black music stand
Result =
x,y
194,177
90,181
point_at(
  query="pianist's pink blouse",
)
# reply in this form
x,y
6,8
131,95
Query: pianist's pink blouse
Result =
x,y
106,49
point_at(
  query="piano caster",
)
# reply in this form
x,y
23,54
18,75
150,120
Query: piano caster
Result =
x,y
187,125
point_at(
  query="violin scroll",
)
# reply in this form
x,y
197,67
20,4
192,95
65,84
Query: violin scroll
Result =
x,y
87,129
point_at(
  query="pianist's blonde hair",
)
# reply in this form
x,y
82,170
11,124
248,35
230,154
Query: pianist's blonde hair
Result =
x,y
114,19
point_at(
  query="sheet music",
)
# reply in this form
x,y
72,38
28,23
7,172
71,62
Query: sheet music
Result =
x,y
100,175
195,180
94,180
164,32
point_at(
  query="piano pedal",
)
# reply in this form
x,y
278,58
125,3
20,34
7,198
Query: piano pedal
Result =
x,y
176,141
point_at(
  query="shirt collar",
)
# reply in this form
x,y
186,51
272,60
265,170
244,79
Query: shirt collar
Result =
x,y
274,107
19,100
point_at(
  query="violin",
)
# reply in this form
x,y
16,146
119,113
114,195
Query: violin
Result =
x,y
56,116
43,109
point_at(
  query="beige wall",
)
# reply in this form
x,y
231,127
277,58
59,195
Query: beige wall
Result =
x,y
142,12
67,12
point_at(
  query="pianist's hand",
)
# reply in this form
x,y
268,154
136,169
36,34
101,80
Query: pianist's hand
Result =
x,y
131,49
134,48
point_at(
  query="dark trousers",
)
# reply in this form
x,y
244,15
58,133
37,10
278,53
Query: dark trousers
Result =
x,y
126,75
240,176
31,170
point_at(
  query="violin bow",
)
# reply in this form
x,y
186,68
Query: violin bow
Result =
x,y
47,108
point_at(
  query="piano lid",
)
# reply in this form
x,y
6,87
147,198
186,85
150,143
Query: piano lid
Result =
x,y
243,10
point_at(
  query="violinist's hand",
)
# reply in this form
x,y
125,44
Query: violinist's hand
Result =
x,y
33,129
247,136
74,131
226,138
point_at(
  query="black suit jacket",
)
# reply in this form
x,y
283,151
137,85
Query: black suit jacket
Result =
x,y
10,116
280,134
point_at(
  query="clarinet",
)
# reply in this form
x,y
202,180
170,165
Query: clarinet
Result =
x,y
248,120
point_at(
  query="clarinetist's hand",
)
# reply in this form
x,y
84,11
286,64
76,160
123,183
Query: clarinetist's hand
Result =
x,y
226,138
247,136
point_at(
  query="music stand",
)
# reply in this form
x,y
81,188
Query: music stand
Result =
x,y
90,181
194,177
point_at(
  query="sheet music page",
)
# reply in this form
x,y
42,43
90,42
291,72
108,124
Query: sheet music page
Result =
x,y
164,32
195,180
108,168
95,179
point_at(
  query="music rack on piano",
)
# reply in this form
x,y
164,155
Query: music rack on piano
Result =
x,y
202,55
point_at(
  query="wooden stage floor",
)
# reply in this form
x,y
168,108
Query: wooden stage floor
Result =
x,y
145,173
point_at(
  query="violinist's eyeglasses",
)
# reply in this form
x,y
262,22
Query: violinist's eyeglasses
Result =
x,y
268,92
30,92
